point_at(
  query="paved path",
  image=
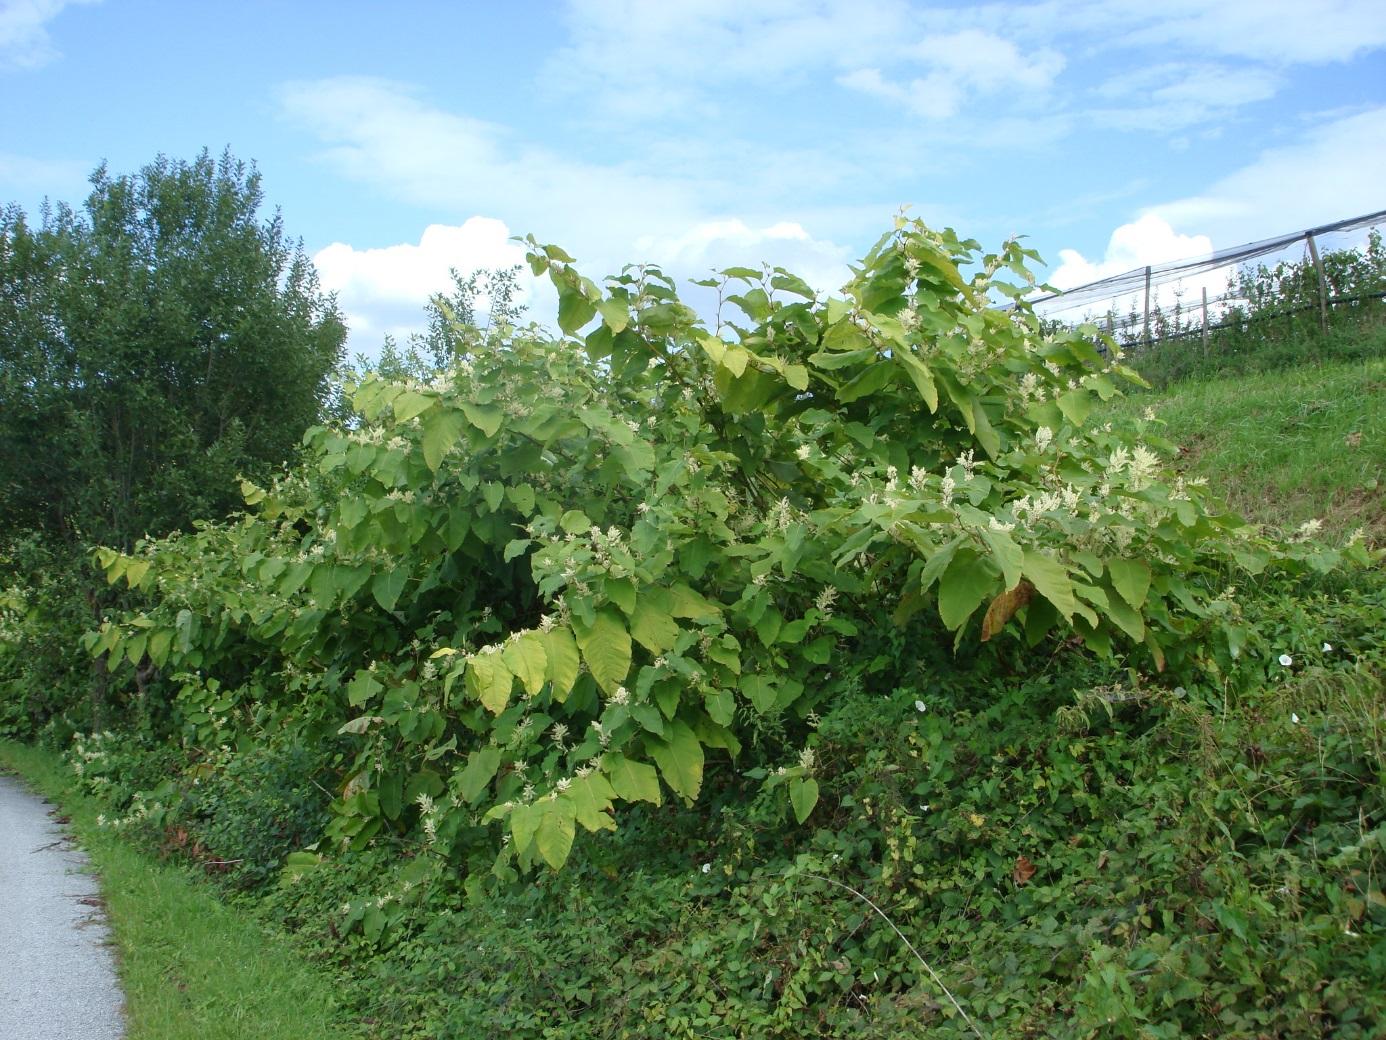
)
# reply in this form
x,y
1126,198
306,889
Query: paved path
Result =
x,y
57,974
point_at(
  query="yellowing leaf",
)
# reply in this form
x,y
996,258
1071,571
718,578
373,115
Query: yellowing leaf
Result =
x,y
410,404
1003,608
554,835
527,657
562,662
605,646
591,796
652,624
489,681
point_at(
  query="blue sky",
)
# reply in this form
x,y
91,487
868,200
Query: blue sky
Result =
x,y
399,140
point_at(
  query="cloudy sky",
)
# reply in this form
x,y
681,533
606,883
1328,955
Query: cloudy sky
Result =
x,y
401,140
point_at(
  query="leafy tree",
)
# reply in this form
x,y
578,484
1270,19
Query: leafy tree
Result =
x,y
153,345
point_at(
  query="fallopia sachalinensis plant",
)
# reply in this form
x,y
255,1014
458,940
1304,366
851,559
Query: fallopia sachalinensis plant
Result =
x,y
569,571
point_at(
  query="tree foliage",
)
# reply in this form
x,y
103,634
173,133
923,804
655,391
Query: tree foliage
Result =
x,y
153,344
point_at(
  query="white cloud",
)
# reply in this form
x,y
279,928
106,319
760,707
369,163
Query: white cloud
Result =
x,y
1274,32
960,65
649,59
1332,173
716,244
383,134
24,39
1175,96
383,291
1146,241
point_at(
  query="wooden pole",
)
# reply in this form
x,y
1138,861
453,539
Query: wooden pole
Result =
x,y
1147,305
1205,319
1323,282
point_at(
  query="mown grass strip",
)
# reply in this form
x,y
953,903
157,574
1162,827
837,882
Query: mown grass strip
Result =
x,y
192,968
1286,447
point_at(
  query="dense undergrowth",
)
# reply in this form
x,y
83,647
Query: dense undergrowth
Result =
x,y
860,618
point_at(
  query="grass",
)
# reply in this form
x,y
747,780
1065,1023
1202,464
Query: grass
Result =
x,y
192,968
1287,446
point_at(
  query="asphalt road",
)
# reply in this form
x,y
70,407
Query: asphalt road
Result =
x,y
57,973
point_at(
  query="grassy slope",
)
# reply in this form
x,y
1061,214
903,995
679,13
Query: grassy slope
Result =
x,y
192,967
1286,446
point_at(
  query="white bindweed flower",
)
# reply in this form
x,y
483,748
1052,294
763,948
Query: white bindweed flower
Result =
x,y
1286,660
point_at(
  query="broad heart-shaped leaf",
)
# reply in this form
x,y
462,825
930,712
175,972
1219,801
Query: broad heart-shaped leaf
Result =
x,y
685,603
481,767
135,571
968,580
441,431
652,624
1131,578
871,379
803,796
524,821
605,646
591,796
387,586
409,404
574,309
1005,554
679,755
554,836
489,681
1125,617
921,376
759,691
527,657
1051,581
632,781
485,417
562,662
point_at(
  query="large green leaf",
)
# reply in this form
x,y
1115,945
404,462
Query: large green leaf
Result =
x,y
562,661
554,836
803,796
524,821
485,417
410,404
968,580
481,767
441,431
679,755
605,646
1050,579
489,681
1131,578
921,376
652,624
387,586
632,781
527,657
591,796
